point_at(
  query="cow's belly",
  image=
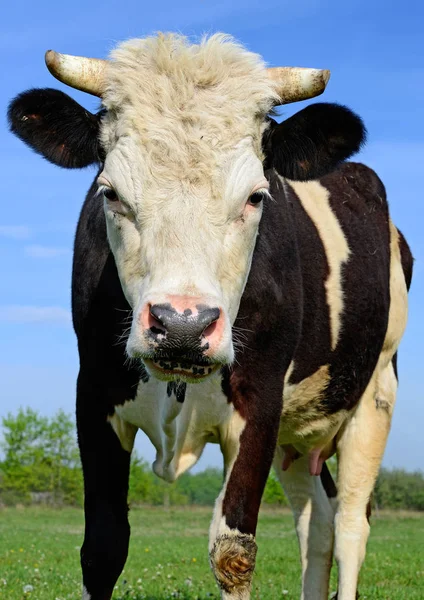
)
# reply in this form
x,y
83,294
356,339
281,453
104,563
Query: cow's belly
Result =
x,y
178,430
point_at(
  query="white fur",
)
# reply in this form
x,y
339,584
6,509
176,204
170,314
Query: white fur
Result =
x,y
179,431
183,152
230,436
362,443
315,199
360,436
314,516
302,423
230,446
85,594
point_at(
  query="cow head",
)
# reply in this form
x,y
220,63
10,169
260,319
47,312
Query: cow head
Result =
x,y
181,140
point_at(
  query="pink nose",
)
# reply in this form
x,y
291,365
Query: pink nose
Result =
x,y
183,326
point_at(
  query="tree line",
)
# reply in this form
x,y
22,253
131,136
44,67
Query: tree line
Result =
x,y
40,463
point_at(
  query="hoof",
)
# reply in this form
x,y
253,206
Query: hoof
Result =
x,y
233,560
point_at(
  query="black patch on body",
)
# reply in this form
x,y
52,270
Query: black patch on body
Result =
x,y
328,482
358,199
106,379
144,376
314,345
178,388
395,366
254,384
225,381
406,259
99,310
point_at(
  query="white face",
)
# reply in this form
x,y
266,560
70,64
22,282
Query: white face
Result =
x,y
182,138
181,244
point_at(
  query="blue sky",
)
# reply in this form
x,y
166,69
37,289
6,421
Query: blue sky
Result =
x,y
375,53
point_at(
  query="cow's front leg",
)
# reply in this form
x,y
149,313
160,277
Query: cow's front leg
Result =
x,y
248,443
105,444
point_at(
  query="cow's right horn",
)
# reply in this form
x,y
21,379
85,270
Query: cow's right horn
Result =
x,y
85,74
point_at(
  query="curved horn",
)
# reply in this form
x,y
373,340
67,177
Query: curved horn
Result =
x,y
296,83
85,74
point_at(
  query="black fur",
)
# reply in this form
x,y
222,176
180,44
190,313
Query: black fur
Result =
x,y
314,348
406,258
56,126
106,379
364,217
328,482
271,305
308,145
106,470
178,389
284,303
314,141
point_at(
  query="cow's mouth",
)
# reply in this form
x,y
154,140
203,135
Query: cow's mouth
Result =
x,y
167,369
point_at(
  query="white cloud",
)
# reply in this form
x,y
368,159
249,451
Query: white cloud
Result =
x,y
15,232
37,251
34,314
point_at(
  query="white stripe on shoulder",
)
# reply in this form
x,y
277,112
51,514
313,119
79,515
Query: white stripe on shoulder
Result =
x,y
315,199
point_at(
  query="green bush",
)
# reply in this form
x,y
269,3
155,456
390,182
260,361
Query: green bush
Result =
x,y
41,464
41,459
398,489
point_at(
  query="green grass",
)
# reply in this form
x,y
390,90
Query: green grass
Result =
x,y
168,556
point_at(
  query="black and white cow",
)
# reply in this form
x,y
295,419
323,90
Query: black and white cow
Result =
x,y
264,284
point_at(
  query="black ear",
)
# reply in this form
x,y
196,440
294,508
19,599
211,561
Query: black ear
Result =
x,y
55,126
314,141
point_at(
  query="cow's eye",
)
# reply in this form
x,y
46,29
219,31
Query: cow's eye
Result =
x,y
256,198
114,203
110,194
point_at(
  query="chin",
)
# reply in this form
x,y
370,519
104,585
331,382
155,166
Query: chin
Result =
x,y
180,370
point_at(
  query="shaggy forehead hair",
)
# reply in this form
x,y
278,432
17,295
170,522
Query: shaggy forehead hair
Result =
x,y
185,105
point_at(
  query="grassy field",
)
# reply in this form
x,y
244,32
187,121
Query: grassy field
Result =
x,y
39,557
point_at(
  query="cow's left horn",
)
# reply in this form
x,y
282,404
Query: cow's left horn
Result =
x,y
85,74
296,83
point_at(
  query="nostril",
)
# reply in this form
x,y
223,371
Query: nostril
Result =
x,y
210,318
209,330
156,330
164,320
155,324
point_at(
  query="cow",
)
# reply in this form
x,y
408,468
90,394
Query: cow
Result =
x,y
235,281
